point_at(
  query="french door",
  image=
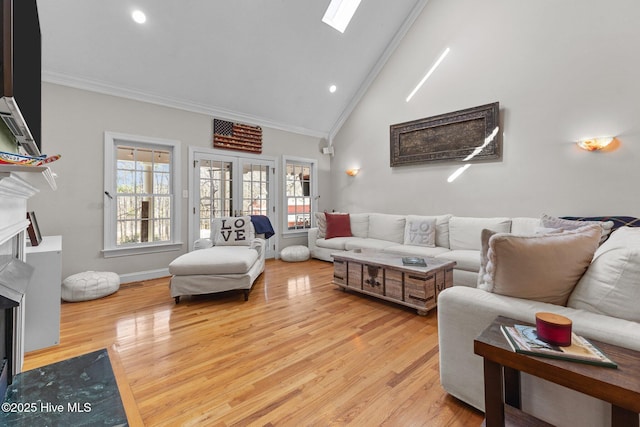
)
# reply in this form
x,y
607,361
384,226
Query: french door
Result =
x,y
231,186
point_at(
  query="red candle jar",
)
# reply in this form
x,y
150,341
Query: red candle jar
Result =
x,y
553,329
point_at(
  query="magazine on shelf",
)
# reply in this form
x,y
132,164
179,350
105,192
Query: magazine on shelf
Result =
x,y
414,261
523,339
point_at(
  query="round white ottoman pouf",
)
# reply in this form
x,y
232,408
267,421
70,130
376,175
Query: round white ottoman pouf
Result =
x,y
295,253
89,285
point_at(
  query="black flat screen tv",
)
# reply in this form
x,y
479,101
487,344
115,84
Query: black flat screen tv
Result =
x,y
21,72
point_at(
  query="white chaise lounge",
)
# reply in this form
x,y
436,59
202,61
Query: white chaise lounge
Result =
x,y
231,260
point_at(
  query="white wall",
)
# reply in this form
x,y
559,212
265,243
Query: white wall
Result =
x,y
560,70
73,124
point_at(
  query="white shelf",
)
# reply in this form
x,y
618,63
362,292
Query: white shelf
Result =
x,y
45,170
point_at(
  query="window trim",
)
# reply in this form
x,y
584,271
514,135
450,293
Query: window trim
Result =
x,y
111,140
313,194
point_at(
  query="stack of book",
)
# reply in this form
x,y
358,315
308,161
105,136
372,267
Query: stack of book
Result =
x,y
523,339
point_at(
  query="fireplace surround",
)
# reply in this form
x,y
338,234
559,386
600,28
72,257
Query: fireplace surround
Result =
x,y
14,273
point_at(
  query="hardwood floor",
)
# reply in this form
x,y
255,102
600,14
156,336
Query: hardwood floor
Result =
x,y
300,352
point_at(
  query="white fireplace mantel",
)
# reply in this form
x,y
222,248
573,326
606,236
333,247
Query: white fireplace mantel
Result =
x,y
14,193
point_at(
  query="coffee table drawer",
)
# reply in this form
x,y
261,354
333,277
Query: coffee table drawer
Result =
x,y
393,284
340,272
354,275
419,290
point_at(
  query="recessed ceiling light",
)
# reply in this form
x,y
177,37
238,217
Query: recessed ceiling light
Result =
x,y
332,88
139,16
339,13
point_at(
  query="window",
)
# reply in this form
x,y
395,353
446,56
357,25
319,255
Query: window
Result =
x,y
141,208
300,190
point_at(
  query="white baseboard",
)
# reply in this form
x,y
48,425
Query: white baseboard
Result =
x,y
144,275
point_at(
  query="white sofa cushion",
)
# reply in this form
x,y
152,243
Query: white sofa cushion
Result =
x,y
467,260
542,268
359,243
337,243
360,225
611,284
215,260
464,232
524,225
420,231
386,227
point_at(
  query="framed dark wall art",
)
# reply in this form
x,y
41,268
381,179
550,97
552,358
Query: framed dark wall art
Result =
x,y
33,230
469,135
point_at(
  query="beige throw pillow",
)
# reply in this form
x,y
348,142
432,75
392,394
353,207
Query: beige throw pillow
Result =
x,y
540,267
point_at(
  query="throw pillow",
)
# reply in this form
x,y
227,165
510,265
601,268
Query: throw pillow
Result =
x,y
321,223
543,267
232,231
338,225
420,231
567,224
611,284
485,235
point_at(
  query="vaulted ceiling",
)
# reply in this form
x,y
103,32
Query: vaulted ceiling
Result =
x,y
265,62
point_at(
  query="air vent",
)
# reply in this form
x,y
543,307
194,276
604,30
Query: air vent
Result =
x,y
12,125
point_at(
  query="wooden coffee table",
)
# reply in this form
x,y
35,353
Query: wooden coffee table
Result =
x,y
502,367
384,276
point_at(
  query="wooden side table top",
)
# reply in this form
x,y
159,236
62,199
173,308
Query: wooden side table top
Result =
x,y
620,387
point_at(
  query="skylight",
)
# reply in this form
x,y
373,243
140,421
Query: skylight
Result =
x,y
339,13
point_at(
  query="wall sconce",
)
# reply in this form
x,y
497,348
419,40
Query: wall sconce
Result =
x,y
594,144
353,171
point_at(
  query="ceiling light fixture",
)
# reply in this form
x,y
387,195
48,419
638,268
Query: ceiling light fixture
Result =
x,y
333,88
339,13
426,76
139,16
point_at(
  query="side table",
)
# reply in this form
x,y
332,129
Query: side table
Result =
x,y
502,367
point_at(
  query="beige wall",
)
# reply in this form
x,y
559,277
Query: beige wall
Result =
x,y
73,124
560,70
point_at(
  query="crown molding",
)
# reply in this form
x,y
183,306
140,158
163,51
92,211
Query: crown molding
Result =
x,y
221,113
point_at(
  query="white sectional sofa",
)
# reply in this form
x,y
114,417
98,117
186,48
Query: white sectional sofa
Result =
x,y
456,238
603,305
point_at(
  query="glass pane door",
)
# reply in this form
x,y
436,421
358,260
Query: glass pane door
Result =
x,y
215,178
255,189
232,186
